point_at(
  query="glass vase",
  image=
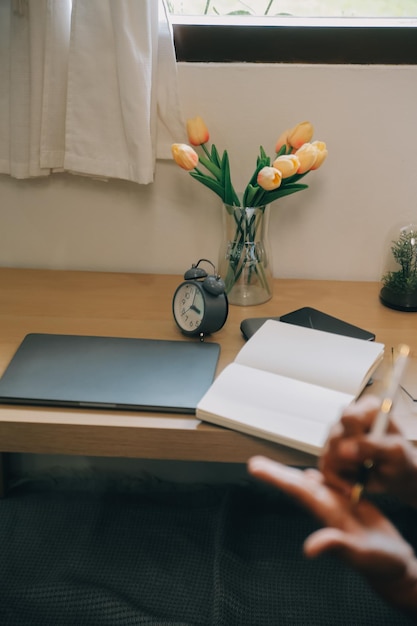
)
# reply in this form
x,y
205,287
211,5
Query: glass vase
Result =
x,y
245,257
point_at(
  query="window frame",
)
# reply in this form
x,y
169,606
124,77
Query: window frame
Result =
x,y
295,40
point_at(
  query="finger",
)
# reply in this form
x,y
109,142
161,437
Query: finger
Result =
x,y
381,563
336,476
343,455
273,472
389,456
307,488
294,481
314,473
339,472
391,449
358,416
342,483
335,432
351,424
328,539
342,486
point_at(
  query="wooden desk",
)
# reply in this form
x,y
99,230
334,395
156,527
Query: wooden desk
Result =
x,y
139,305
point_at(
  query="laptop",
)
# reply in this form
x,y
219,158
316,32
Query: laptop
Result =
x,y
109,373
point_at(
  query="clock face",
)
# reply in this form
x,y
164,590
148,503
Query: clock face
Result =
x,y
189,307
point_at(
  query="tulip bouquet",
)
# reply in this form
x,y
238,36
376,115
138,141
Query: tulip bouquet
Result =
x,y
295,156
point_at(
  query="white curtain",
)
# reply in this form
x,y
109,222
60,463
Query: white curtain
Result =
x,y
87,86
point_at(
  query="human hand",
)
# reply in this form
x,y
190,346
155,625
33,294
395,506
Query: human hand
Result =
x,y
350,444
360,535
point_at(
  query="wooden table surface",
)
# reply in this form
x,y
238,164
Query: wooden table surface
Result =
x,y
139,305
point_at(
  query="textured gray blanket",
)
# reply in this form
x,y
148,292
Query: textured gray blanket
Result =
x,y
224,555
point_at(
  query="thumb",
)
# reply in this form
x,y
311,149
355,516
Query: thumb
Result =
x,y
327,539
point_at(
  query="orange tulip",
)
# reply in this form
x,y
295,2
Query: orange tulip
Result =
x,y
184,156
307,156
322,153
197,131
300,134
282,141
287,164
269,178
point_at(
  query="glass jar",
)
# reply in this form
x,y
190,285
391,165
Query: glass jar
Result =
x,y
399,279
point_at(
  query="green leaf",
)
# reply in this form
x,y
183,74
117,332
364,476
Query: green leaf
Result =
x,y
212,167
226,182
294,178
210,183
250,193
270,196
262,153
261,163
215,157
282,150
230,196
259,197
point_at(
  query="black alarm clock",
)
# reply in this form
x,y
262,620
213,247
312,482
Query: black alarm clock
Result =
x,y
200,304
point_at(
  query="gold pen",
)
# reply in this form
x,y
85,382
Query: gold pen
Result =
x,y
380,424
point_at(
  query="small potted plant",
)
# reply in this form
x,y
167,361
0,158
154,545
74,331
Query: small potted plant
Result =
x,y
399,282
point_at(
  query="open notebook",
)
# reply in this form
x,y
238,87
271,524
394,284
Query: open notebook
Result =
x,y
109,372
288,384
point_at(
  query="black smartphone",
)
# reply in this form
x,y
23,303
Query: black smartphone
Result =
x,y
311,318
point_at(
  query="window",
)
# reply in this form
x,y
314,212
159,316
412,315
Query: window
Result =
x,y
365,31
296,8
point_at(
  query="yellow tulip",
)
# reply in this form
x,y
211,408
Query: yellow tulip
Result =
x,y
300,134
282,141
184,156
287,164
307,156
197,131
269,178
322,153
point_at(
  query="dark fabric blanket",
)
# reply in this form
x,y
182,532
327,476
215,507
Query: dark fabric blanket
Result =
x,y
169,556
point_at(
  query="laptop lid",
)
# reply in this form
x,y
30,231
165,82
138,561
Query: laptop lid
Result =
x,y
109,372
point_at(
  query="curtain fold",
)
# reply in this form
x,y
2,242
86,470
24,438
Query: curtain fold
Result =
x,y
54,92
90,88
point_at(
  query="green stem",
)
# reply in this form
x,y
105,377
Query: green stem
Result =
x,y
203,145
243,248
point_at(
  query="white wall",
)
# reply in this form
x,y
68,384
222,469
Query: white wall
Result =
x,y
335,229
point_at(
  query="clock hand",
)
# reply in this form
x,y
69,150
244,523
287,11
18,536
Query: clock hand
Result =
x,y
191,305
